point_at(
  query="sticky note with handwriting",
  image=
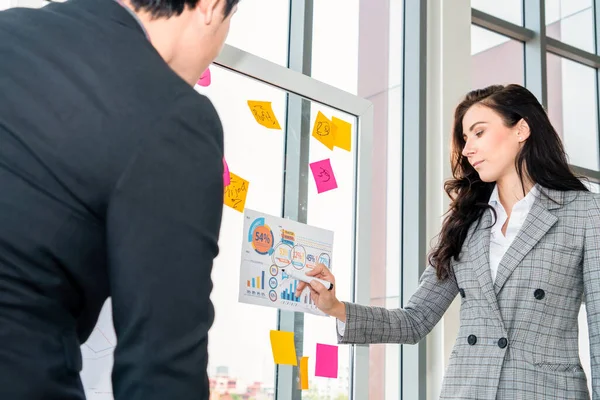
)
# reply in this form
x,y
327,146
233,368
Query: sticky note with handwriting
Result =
x,y
284,351
343,133
264,114
324,131
327,361
235,193
303,373
323,174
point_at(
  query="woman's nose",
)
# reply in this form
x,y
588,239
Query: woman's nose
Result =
x,y
468,150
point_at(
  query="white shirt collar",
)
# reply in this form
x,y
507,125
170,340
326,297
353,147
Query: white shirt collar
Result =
x,y
529,198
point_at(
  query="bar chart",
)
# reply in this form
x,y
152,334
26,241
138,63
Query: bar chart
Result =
x,y
288,294
257,282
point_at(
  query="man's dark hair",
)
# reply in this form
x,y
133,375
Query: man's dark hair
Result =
x,y
170,8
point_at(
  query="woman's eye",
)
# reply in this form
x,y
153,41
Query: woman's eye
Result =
x,y
479,133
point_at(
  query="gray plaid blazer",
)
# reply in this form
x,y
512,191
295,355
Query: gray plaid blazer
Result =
x,y
518,336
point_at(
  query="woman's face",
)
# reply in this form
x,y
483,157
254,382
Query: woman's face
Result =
x,y
490,146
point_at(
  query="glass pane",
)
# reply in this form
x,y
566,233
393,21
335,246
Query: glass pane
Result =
x,y
261,27
508,10
372,33
572,109
333,63
495,59
333,210
572,22
241,362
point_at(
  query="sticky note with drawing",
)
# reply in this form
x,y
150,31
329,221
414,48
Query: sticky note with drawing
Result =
x,y
264,114
324,131
323,175
235,193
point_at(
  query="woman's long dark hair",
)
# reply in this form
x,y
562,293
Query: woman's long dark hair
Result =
x,y
542,160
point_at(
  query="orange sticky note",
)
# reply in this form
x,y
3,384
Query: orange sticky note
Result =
x,y
303,373
324,131
343,133
264,114
235,193
284,351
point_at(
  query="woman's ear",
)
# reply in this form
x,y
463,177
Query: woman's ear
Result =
x,y
523,130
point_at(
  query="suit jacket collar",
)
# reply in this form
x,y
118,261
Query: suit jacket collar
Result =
x,y
538,222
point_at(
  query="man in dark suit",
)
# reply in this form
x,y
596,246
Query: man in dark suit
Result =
x,y
110,185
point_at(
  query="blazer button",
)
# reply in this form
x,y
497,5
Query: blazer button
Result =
x,y
502,343
462,293
472,339
539,294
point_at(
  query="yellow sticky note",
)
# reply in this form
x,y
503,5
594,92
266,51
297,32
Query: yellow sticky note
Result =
x,y
284,351
324,131
235,193
303,373
264,114
343,133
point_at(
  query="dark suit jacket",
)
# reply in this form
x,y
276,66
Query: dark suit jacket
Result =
x,y
110,185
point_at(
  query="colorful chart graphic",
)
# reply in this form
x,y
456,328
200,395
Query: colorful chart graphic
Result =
x,y
273,283
261,236
299,257
258,282
282,255
264,256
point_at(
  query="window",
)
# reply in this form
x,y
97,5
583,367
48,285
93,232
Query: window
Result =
x,y
572,107
495,59
508,10
369,63
261,27
571,22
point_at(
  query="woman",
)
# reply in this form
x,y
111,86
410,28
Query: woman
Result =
x,y
520,244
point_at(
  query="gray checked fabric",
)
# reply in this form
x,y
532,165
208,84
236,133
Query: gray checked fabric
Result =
x,y
518,336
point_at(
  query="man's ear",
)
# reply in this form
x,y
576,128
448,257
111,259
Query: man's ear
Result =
x,y
523,130
209,9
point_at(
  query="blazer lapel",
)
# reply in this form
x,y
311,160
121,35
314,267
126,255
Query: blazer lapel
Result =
x,y
538,222
480,250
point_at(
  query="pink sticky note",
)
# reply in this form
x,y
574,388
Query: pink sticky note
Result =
x,y
226,176
205,78
323,174
327,361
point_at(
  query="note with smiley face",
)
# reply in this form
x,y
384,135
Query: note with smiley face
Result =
x,y
323,175
324,130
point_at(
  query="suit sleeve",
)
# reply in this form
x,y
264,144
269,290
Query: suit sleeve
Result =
x,y
163,223
408,325
591,287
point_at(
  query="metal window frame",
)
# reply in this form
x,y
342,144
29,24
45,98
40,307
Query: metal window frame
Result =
x,y
413,358
538,45
296,83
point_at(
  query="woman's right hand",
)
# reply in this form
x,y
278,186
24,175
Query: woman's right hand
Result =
x,y
324,299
